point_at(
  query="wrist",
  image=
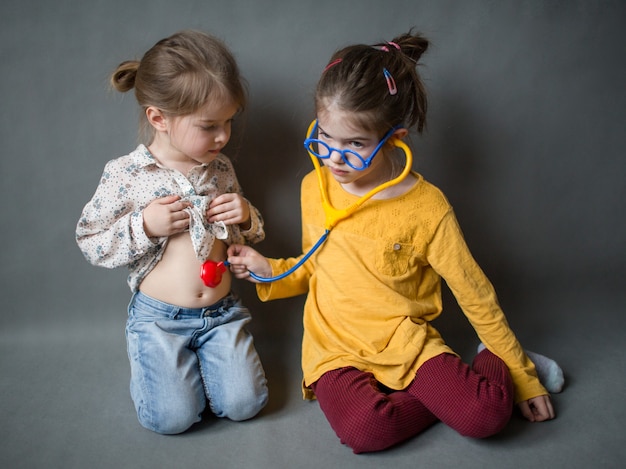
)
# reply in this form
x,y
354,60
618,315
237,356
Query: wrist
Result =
x,y
246,225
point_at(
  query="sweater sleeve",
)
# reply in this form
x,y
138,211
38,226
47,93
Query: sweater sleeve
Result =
x,y
450,257
297,283
294,284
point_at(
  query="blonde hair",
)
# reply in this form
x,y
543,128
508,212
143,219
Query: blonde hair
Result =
x,y
179,75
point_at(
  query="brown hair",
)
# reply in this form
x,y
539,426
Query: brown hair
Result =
x,y
180,74
355,82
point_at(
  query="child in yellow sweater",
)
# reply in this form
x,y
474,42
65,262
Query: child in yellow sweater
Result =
x,y
370,355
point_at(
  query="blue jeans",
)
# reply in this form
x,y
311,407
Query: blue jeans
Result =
x,y
180,358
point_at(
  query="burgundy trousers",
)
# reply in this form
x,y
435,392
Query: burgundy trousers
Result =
x,y
477,401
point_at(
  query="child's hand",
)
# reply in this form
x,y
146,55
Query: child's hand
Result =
x,y
165,217
231,208
537,409
244,259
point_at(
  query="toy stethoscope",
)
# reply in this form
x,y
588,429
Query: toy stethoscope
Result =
x,y
212,272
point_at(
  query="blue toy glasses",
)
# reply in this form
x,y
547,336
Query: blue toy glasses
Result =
x,y
350,157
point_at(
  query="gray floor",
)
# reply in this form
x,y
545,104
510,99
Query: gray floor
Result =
x,y
65,401
525,136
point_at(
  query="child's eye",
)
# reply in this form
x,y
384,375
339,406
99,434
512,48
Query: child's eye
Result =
x,y
356,144
214,127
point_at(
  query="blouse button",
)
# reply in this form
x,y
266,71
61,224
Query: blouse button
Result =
x,y
396,247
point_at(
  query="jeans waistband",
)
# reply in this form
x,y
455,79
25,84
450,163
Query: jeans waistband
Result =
x,y
178,311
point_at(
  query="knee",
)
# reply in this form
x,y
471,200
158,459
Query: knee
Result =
x,y
168,421
358,436
365,432
486,420
242,406
240,411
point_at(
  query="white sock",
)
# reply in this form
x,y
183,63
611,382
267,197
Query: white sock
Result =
x,y
549,372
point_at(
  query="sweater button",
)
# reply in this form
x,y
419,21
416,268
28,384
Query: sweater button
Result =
x,y
396,247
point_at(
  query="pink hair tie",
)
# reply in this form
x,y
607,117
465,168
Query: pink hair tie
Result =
x,y
386,49
332,64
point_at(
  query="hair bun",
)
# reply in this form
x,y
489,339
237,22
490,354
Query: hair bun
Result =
x,y
412,45
123,78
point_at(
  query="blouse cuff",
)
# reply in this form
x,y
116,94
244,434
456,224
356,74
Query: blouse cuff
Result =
x,y
255,232
141,239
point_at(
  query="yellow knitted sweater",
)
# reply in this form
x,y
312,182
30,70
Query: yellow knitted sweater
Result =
x,y
375,285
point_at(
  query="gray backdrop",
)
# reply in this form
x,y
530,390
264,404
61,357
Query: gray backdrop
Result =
x,y
525,136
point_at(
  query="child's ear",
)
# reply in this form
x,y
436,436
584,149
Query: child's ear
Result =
x,y
401,133
156,118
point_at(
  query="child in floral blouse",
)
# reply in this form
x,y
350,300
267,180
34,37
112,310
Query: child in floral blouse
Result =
x,y
166,210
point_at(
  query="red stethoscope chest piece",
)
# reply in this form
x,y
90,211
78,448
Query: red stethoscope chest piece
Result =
x,y
211,273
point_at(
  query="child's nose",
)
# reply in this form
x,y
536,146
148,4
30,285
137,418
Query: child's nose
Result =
x,y
336,156
222,136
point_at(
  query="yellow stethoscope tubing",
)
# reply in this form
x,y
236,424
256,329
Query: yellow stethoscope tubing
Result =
x,y
334,215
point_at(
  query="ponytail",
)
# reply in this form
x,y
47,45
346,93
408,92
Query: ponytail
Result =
x,y
123,78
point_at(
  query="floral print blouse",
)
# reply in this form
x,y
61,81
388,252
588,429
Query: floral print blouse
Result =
x,y
110,231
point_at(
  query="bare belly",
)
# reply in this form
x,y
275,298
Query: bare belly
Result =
x,y
176,278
